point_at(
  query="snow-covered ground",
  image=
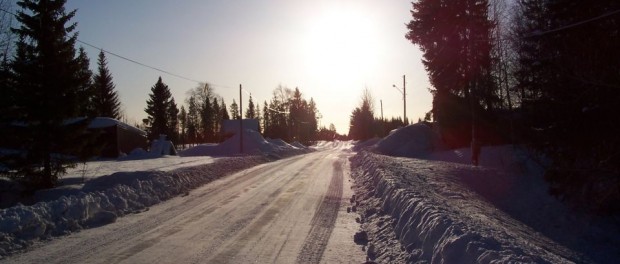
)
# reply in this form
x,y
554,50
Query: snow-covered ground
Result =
x,y
437,208
96,193
428,205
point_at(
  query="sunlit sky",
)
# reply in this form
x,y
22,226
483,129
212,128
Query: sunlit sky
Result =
x,y
331,50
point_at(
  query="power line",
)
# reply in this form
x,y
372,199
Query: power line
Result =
x,y
538,33
134,61
139,63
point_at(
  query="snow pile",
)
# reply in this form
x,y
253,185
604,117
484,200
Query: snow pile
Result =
x,y
433,212
253,144
507,157
366,144
102,200
417,140
162,147
297,144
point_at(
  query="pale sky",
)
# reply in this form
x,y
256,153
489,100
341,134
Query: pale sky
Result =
x,y
331,50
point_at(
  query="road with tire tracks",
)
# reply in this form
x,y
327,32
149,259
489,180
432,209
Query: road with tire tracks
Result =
x,y
288,211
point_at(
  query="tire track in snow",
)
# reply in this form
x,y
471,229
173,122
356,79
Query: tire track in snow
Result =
x,y
257,219
324,220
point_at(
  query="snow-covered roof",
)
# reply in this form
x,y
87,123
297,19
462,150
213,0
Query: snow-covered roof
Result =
x,y
102,122
232,126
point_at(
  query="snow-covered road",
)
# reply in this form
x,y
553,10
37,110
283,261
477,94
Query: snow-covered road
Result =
x,y
292,210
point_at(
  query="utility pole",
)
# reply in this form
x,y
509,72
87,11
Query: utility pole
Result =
x,y
381,109
404,102
240,121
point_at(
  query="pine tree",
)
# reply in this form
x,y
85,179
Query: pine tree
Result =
x,y
173,121
568,78
105,100
159,108
457,57
250,112
86,91
362,119
224,111
258,117
193,118
207,116
7,100
266,119
183,126
217,119
234,110
47,88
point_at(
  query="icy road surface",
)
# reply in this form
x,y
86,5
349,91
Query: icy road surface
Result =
x,y
288,211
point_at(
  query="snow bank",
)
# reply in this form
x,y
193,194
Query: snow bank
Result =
x,y
253,143
366,144
103,199
438,219
297,144
417,140
161,147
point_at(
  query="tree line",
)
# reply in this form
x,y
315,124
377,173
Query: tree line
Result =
x,y
535,72
45,83
48,95
364,125
287,116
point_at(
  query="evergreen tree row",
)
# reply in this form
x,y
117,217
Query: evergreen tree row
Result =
x,y
364,125
202,120
162,113
290,117
545,76
44,88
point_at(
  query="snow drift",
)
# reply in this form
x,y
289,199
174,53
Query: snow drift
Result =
x,y
443,210
253,143
417,140
102,200
438,219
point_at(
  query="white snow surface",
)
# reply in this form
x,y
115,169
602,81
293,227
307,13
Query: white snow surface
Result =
x,y
417,140
447,211
253,143
96,193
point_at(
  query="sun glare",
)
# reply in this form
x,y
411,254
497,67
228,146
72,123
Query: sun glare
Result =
x,y
341,46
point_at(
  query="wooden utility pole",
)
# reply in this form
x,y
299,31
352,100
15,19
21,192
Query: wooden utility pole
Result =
x,y
404,102
381,109
240,121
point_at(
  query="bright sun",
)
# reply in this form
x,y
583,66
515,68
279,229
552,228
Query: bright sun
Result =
x,y
341,46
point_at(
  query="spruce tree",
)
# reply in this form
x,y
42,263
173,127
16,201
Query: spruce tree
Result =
x,y
86,89
362,119
173,121
250,112
159,108
6,93
454,37
258,117
183,126
224,111
47,88
568,77
266,119
207,120
105,100
217,119
234,110
192,120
